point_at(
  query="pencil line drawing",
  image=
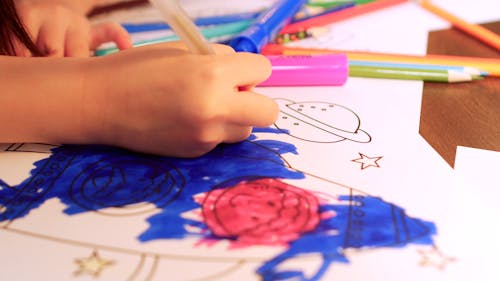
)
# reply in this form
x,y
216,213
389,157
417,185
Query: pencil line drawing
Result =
x,y
92,265
319,122
433,257
30,147
367,161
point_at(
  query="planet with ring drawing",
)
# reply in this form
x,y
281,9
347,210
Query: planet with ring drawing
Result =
x,y
319,122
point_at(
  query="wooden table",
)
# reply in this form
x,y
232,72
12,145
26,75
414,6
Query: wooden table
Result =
x,y
465,114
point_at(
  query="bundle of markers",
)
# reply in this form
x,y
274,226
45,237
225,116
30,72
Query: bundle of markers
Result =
x,y
268,31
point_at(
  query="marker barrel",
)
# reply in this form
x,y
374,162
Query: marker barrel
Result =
x,y
323,70
266,26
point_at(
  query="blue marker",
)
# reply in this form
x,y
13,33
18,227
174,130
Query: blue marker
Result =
x,y
215,20
266,26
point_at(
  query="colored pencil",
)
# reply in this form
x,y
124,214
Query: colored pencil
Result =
x,y
328,4
490,65
218,31
465,69
183,26
308,13
486,36
446,76
341,15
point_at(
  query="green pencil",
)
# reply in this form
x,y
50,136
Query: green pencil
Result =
x,y
431,75
332,3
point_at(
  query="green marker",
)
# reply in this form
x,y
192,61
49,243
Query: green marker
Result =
x,y
430,75
221,30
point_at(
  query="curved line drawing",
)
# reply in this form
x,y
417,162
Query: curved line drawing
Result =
x,y
138,269
310,121
154,267
97,184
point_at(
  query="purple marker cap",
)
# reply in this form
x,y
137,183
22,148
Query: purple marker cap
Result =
x,y
315,70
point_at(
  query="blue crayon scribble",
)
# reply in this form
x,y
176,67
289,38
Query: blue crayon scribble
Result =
x,y
94,178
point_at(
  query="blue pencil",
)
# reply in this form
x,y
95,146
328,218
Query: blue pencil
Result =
x,y
205,21
468,70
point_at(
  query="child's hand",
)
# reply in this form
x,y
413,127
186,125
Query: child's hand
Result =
x,y
163,99
59,30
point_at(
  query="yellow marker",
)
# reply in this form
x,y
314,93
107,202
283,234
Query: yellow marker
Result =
x,y
183,26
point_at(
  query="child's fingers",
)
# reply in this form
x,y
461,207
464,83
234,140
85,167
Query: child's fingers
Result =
x,y
109,32
244,69
221,49
247,108
77,42
236,133
170,45
51,39
19,49
218,48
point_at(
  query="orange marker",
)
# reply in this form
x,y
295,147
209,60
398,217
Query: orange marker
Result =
x,y
486,36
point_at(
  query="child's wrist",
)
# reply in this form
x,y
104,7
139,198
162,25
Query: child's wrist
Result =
x,y
94,100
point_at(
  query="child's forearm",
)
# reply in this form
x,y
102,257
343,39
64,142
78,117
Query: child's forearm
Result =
x,y
41,100
143,99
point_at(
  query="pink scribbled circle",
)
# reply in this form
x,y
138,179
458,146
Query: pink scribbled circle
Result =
x,y
261,212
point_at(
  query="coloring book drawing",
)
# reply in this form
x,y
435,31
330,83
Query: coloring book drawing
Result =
x,y
243,194
341,187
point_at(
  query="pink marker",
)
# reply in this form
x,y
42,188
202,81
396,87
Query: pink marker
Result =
x,y
316,70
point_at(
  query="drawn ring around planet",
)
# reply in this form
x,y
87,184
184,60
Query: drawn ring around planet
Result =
x,y
301,125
